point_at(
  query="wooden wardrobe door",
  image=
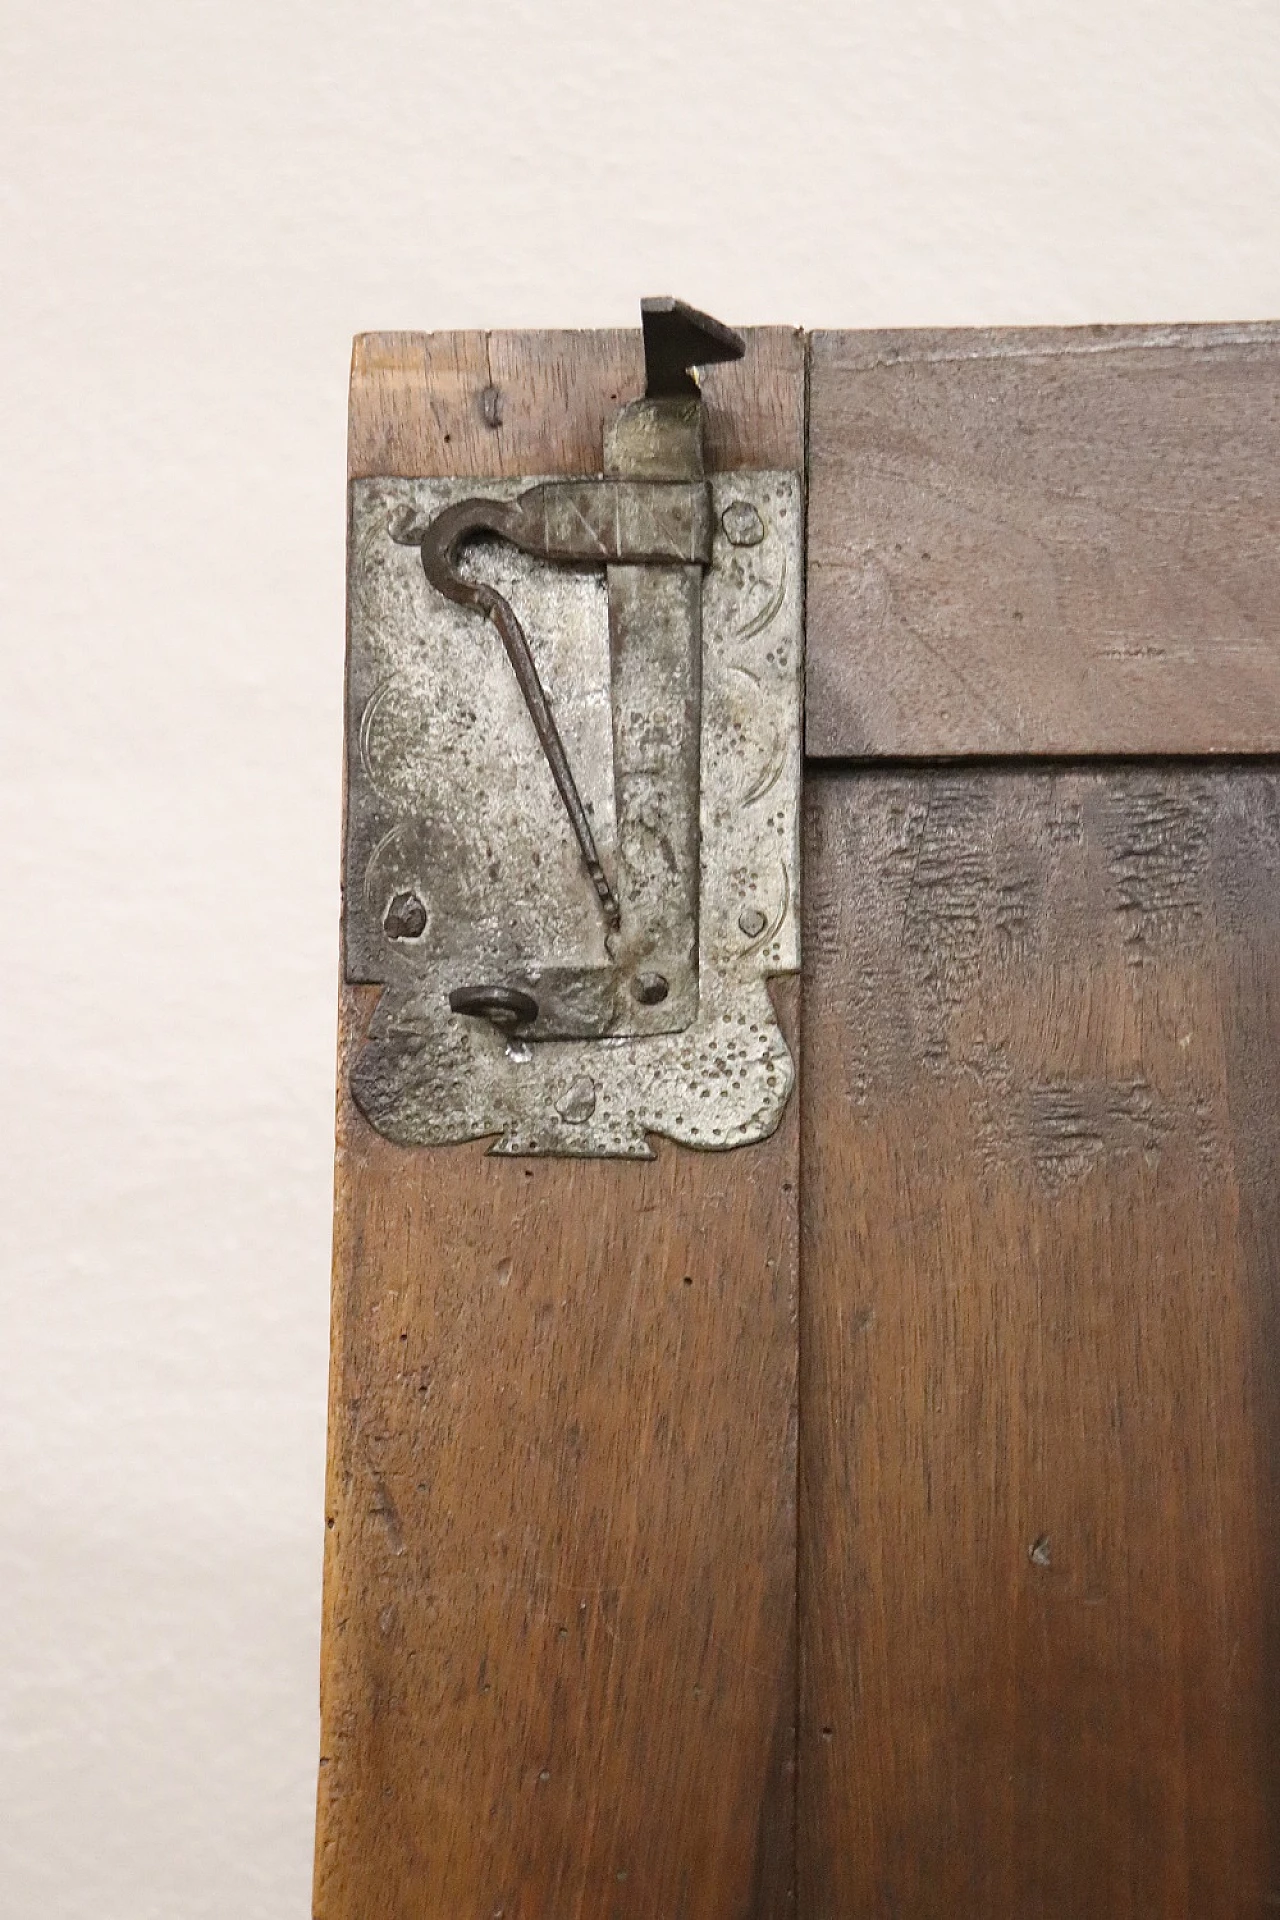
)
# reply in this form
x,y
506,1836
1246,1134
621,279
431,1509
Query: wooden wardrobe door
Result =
x,y
1040,1346
559,1607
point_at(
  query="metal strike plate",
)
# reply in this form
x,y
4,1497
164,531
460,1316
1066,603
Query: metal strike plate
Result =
x,y
546,819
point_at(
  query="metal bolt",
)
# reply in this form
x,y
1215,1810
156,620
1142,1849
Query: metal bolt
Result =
x,y
406,526
752,922
650,989
405,917
742,525
579,1103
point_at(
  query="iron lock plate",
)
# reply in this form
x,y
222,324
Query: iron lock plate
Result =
x,y
671,682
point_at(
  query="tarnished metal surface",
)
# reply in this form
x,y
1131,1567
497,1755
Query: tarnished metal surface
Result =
x,y
655,634
655,646
462,866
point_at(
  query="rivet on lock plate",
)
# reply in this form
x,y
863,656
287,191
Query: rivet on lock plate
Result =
x,y
572,851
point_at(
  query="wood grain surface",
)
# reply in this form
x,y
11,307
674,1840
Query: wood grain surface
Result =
x,y
499,405
1044,542
1040,1379
558,1641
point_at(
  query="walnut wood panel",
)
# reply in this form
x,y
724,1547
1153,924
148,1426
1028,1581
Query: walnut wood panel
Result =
x,y
558,1653
499,405
1040,1377
1044,542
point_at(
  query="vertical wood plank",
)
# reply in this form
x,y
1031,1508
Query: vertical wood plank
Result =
x,y
559,1590
1040,1452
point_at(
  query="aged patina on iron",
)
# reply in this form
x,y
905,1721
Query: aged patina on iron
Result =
x,y
509,1009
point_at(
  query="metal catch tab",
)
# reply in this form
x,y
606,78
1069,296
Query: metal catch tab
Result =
x,y
572,856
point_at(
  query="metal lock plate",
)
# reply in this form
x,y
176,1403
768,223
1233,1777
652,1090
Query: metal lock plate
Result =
x,y
622,955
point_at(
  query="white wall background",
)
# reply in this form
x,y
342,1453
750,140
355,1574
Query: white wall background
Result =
x,y
200,203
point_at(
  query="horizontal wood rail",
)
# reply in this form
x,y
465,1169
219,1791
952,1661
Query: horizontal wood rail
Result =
x,y
1044,542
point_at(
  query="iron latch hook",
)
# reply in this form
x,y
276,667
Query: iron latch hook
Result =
x,y
441,542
